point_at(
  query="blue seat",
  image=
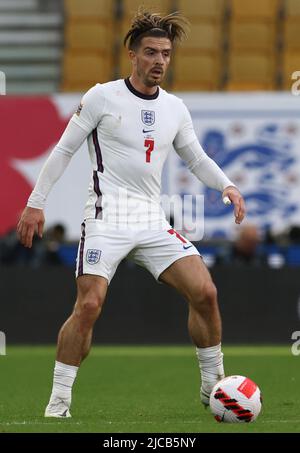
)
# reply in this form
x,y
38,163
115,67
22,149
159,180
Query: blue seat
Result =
x,y
293,255
68,254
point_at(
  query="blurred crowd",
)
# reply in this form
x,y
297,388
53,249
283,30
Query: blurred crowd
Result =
x,y
250,248
254,248
52,249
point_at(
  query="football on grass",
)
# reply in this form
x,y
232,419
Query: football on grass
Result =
x,y
235,399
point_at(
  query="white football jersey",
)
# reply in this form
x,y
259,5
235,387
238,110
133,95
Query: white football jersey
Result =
x,y
130,136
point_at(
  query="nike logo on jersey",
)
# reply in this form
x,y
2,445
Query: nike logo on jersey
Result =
x,y
147,132
186,247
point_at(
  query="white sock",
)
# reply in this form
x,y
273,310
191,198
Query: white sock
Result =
x,y
211,366
64,377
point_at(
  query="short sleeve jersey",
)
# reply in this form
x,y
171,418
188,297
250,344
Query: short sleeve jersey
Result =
x,y
129,138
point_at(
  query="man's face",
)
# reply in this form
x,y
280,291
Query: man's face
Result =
x,y
151,60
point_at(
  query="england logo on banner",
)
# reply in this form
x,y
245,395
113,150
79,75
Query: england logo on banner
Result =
x,y
255,140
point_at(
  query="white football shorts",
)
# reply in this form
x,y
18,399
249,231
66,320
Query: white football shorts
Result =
x,y
102,247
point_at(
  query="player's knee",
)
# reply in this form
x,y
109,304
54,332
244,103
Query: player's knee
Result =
x,y
90,307
204,296
210,292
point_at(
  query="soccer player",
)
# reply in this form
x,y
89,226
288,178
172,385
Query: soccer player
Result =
x,y
131,125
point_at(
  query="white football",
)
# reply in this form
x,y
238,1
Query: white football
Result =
x,y
235,399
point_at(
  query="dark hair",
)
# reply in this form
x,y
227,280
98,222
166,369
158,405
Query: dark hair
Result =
x,y
174,26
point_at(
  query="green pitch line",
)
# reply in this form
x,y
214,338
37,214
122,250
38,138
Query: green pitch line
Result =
x,y
145,389
137,351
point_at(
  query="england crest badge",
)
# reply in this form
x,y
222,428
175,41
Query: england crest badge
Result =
x,y
93,256
148,117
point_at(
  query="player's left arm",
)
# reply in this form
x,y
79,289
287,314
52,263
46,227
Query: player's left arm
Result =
x,y
210,174
203,167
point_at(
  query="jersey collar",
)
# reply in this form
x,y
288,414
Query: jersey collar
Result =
x,y
148,97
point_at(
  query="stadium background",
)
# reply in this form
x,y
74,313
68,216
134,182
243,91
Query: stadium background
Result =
x,y
235,73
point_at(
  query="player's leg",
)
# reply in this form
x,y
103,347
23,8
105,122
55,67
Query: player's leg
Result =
x,y
174,260
190,277
100,251
74,341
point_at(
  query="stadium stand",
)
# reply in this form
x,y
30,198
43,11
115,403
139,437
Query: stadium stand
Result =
x,y
89,43
292,9
31,39
251,72
88,36
197,72
260,10
253,45
202,10
252,36
203,37
78,79
93,10
198,61
291,34
290,40
71,44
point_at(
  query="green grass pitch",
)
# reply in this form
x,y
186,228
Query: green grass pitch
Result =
x,y
145,389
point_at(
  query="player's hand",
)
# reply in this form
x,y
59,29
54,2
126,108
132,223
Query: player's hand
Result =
x,y
236,198
32,220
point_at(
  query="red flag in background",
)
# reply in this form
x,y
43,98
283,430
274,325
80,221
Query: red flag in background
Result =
x,y
28,128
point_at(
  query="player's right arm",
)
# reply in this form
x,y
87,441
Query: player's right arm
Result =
x,y
32,218
80,126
